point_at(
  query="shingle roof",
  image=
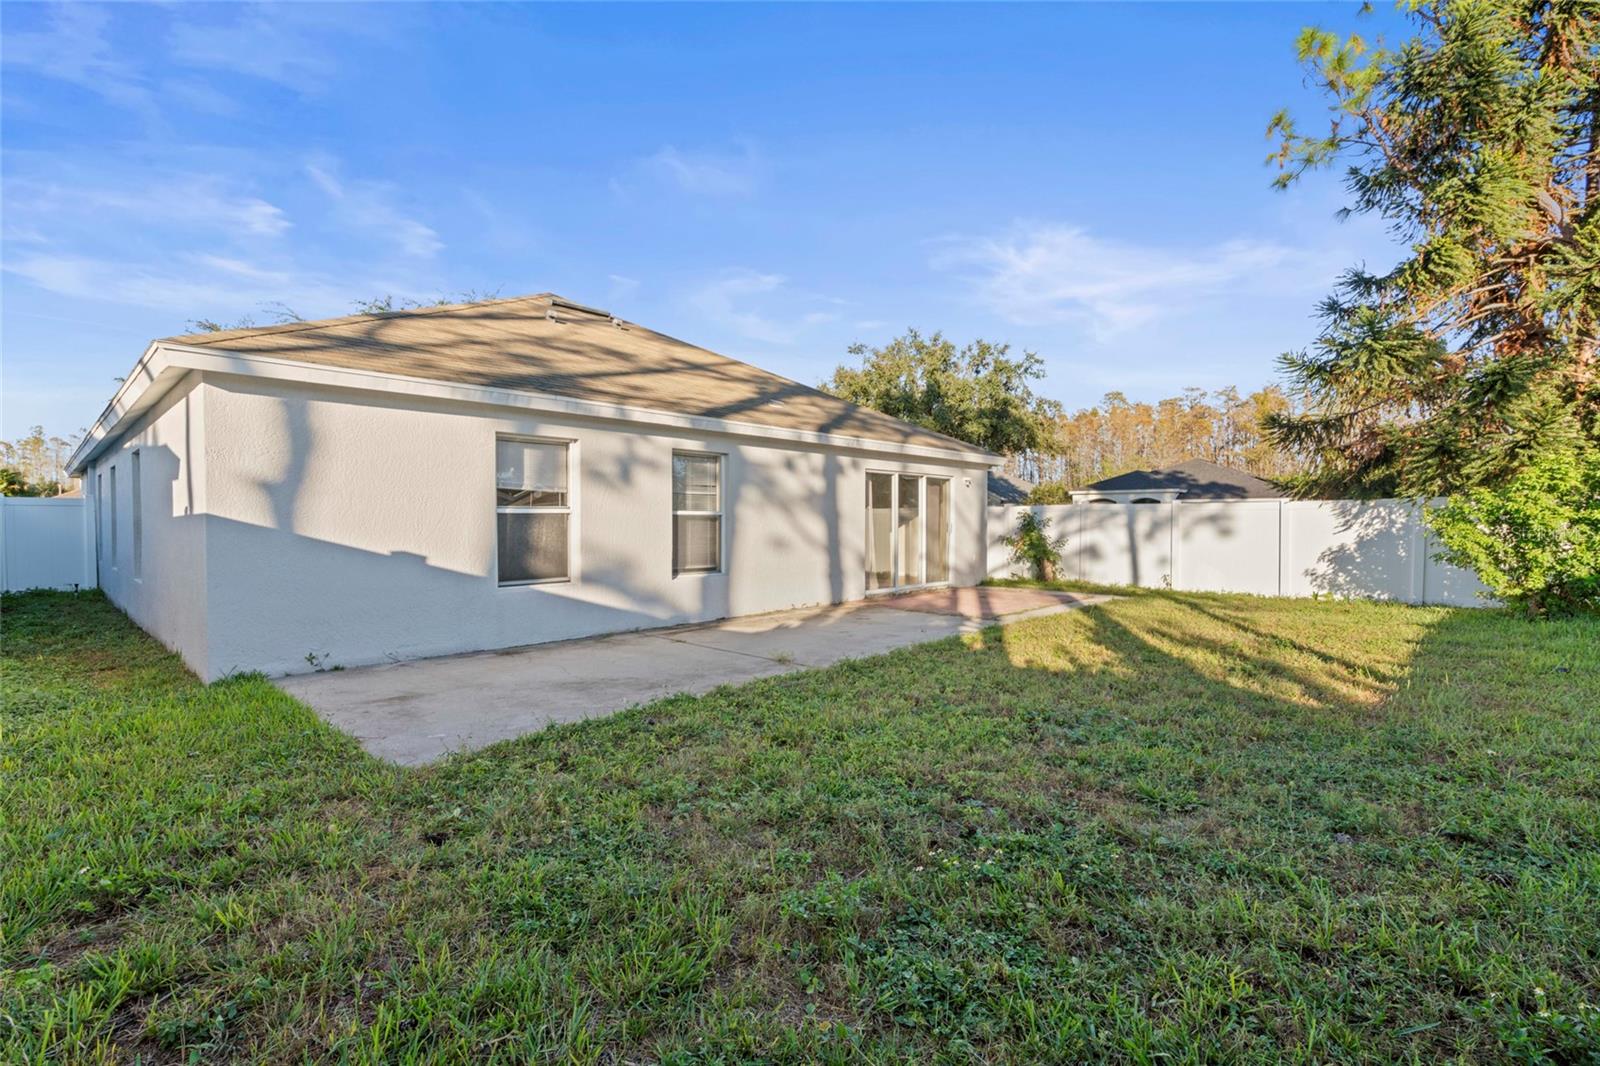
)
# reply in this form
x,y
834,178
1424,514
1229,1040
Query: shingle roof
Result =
x,y
550,345
1003,488
1199,479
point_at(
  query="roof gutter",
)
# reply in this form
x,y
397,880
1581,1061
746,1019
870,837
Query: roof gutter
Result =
x,y
164,364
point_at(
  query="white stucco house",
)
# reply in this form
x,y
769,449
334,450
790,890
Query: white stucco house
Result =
x,y
486,475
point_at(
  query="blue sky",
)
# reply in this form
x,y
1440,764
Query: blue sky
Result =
x,y
774,182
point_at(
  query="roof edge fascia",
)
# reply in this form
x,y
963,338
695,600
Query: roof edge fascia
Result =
x,y
1168,495
164,363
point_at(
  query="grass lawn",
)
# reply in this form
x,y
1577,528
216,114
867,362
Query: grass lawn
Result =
x,y
1176,828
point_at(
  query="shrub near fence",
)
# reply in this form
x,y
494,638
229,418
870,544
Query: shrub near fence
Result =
x,y
1359,548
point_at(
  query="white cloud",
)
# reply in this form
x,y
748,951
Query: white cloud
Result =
x,y
75,49
760,307
196,201
291,45
369,205
709,174
1056,273
187,285
621,287
199,96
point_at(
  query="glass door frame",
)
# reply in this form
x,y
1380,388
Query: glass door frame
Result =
x,y
894,530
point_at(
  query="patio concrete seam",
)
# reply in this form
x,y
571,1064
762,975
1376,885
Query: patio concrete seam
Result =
x,y
713,647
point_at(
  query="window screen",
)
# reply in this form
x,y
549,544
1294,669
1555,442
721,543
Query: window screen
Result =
x,y
136,513
114,560
532,512
696,513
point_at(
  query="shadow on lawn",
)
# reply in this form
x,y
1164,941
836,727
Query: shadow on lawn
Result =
x,y
1147,799
1209,646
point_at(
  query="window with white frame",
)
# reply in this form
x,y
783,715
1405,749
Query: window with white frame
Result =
x,y
99,517
115,563
696,513
533,513
908,530
136,514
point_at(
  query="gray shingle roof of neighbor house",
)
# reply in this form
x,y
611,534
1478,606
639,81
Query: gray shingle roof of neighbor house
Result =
x,y
1199,480
548,344
1003,488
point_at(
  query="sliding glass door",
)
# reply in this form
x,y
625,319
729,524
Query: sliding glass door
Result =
x,y
908,531
880,531
938,554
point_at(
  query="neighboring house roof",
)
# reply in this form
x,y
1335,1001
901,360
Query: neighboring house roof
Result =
x,y
1198,480
550,345
1004,488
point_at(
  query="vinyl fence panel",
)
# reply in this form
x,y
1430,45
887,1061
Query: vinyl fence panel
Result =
x,y
45,543
1227,546
1351,548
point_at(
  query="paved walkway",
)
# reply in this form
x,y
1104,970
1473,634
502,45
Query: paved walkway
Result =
x,y
414,712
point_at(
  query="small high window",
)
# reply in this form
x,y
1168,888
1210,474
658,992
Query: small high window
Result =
x,y
99,517
115,562
532,511
136,514
696,513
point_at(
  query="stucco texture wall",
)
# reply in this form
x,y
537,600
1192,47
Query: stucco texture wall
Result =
x,y
346,528
165,593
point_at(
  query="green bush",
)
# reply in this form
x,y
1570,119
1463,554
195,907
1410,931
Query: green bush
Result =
x,y
1031,543
1051,492
1535,541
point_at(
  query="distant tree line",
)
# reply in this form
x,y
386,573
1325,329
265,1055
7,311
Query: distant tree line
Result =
x,y
36,464
982,394
1118,435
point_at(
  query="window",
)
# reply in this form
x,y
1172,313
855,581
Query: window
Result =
x,y
908,530
532,511
113,517
938,557
99,517
136,514
880,527
696,513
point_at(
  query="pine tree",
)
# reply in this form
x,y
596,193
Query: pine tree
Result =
x,y
1479,142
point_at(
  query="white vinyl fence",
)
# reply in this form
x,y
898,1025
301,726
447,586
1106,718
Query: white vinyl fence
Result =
x,y
1376,548
45,543
1372,548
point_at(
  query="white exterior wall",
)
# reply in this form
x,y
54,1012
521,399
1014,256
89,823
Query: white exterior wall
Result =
x,y
167,598
45,543
1374,548
359,528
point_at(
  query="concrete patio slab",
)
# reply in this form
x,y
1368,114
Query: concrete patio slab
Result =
x,y
990,604
414,712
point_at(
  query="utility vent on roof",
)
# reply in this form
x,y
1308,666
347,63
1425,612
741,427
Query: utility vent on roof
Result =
x,y
566,309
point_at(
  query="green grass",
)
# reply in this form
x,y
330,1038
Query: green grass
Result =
x,y
1175,828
